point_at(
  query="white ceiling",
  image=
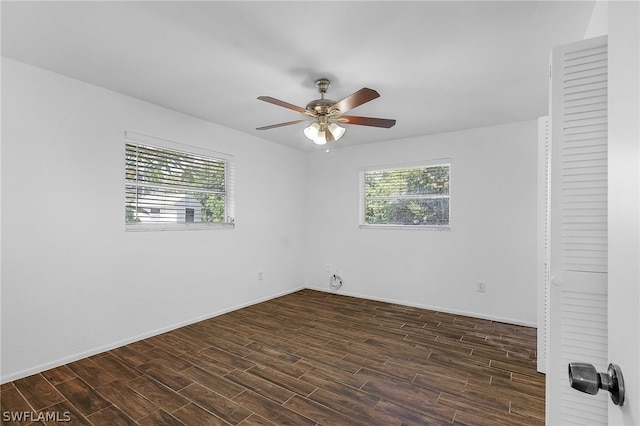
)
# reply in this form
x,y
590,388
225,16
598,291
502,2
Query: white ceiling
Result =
x,y
438,65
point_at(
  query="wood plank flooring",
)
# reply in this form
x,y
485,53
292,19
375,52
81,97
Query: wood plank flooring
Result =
x,y
307,358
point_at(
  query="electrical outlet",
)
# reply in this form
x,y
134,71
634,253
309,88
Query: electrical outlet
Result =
x,y
260,276
481,286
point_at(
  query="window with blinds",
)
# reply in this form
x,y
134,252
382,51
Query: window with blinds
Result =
x,y
412,197
171,188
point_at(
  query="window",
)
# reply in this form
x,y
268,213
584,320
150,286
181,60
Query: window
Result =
x,y
408,197
190,215
171,186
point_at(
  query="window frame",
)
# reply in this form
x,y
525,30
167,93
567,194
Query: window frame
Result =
x,y
362,199
229,170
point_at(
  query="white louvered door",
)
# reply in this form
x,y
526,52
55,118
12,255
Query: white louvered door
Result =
x,y
579,251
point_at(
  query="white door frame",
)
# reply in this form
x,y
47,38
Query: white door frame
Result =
x,y
624,204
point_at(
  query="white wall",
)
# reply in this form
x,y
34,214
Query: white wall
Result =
x,y
73,281
492,236
599,22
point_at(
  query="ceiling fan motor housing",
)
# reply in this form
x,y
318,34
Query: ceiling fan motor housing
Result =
x,y
321,106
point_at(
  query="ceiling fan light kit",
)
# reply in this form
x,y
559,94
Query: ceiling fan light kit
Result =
x,y
320,134
325,114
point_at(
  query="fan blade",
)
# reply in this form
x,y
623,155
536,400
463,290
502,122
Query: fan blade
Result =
x,y
288,123
367,121
282,103
358,98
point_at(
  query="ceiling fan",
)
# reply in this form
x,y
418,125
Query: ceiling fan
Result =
x,y
325,114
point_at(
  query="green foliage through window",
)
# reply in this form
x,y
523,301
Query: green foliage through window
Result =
x,y
169,186
408,196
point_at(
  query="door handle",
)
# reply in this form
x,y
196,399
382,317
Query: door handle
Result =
x,y
585,378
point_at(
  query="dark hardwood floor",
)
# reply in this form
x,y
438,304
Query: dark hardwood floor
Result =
x,y
307,358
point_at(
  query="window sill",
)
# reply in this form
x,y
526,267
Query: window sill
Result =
x,y
409,227
144,227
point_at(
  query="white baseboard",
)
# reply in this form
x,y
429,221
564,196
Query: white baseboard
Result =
x,y
429,307
66,360
75,357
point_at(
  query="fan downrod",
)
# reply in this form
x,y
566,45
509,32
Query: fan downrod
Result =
x,y
319,107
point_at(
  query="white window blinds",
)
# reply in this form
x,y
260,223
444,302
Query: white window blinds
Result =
x,y
171,188
411,197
